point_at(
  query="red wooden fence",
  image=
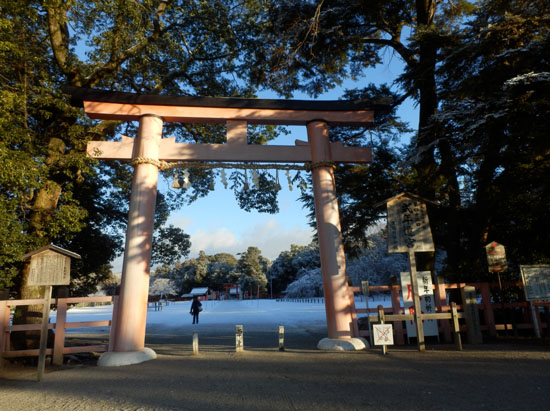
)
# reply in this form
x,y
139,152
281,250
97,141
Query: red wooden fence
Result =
x,y
60,326
486,307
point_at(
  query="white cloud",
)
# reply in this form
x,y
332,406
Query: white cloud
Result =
x,y
184,223
271,237
212,242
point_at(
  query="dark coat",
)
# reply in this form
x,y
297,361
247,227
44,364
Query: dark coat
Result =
x,y
195,306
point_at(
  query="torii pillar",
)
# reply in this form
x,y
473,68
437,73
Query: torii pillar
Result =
x,y
149,147
333,260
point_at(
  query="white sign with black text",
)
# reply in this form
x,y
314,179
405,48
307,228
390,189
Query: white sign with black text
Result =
x,y
427,302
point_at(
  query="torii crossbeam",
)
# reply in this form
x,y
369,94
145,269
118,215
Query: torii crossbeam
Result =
x,y
150,148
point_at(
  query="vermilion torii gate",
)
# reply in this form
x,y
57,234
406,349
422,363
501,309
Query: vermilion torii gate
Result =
x,y
148,149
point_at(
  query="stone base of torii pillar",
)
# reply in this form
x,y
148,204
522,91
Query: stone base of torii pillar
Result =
x,y
343,344
116,358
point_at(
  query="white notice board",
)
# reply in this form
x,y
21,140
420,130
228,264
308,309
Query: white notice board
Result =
x,y
49,268
427,301
536,281
383,334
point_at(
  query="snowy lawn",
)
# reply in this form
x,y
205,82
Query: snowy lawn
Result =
x,y
249,313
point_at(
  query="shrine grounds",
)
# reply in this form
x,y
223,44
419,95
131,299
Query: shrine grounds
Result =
x,y
504,374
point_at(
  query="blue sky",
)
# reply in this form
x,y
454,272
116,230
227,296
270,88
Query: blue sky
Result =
x,y
216,223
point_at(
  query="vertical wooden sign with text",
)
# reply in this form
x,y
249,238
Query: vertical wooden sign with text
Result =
x,y
50,265
409,232
408,226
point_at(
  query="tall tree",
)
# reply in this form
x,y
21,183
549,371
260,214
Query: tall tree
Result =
x,y
313,46
51,192
252,268
494,87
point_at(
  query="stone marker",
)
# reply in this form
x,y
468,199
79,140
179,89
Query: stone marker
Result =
x,y
239,340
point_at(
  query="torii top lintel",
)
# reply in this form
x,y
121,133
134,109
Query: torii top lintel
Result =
x,y
236,113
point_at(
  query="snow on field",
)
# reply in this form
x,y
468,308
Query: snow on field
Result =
x,y
251,313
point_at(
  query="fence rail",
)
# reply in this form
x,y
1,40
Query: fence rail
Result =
x,y
60,326
486,306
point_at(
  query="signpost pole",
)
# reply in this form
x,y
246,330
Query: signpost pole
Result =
x,y
365,287
381,318
44,331
504,310
416,303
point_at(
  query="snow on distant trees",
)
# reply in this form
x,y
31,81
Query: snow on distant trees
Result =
x,y
162,286
373,264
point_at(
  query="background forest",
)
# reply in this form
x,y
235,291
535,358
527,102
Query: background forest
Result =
x,y
479,72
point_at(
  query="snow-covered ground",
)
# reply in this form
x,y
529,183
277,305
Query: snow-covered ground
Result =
x,y
249,313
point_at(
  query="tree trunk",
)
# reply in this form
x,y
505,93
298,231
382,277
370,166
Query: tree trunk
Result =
x,y
425,164
43,210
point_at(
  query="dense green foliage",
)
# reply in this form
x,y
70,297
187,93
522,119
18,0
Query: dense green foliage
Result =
x,y
51,193
479,73
213,271
251,270
477,70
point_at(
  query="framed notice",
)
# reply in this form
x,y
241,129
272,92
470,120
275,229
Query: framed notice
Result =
x,y
408,226
536,281
50,265
383,334
427,302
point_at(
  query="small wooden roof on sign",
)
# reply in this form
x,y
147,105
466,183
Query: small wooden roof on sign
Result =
x,y
407,195
54,248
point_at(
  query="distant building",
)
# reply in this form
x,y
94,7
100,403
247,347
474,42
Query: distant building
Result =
x,y
201,292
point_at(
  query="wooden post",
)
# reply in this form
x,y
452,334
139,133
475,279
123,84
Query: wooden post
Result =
x,y
469,301
59,332
456,327
195,343
381,320
354,323
396,305
416,302
114,317
281,338
239,338
44,331
488,312
441,301
547,317
4,324
535,319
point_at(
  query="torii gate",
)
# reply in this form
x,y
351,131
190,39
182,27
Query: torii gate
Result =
x,y
149,148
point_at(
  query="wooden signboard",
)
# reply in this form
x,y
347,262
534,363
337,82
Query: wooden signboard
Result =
x,y
536,281
408,225
409,232
496,257
536,285
50,265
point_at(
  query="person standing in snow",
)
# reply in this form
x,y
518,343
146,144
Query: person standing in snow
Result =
x,y
196,308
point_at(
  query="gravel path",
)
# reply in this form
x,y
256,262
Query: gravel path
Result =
x,y
492,376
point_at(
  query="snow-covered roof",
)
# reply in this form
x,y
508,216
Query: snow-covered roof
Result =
x,y
199,291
